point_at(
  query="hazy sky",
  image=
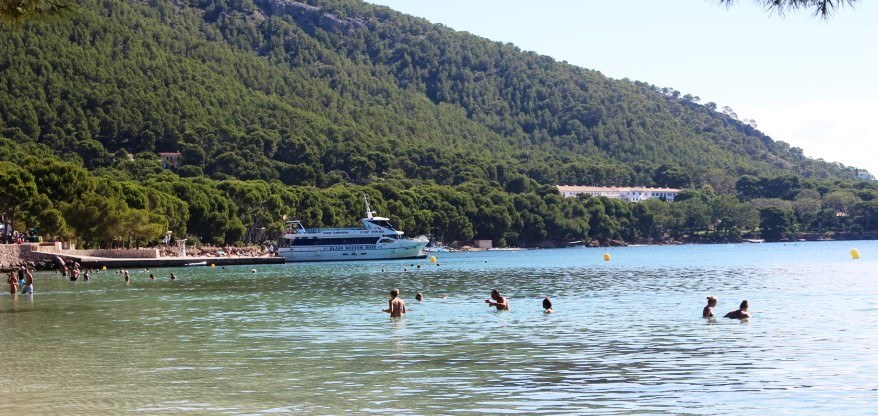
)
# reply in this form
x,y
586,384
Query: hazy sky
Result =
x,y
805,81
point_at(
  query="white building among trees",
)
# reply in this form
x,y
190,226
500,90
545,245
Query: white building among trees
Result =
x,y
865,175
631,194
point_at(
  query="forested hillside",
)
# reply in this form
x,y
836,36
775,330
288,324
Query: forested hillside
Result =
x,y
298,107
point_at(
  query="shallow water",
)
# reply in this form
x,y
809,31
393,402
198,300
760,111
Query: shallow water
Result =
x,y
626,336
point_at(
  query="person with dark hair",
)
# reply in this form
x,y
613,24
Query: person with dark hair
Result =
x,y
741,313
501,303
707,312
547,305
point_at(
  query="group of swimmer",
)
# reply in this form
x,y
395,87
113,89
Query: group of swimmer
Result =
x,y
740,313
396,306
151,276
24,279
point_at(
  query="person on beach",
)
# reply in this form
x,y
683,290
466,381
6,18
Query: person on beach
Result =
x,y
498,301
28,283
707,312
547,305
396,305
419,297
13,283
741,313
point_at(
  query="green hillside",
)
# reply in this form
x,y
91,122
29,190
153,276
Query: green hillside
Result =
x,y
349,91
342,95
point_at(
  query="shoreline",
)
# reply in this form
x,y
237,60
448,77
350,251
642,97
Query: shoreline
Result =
x,y
119,263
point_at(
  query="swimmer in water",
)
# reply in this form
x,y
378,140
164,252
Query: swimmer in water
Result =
x,y
741,313
419,297
501,303
708,310
547,305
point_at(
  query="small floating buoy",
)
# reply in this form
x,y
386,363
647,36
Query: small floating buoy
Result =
x,y
432,259
606,256
855,254
212,265
104,268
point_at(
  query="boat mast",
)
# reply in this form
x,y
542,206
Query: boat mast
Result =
x,y
368,209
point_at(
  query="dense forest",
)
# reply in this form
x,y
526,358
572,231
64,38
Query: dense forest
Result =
x,y
284,108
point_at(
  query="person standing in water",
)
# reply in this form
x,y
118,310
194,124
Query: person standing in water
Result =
x,y
396,305
707,312
28,283
741,313
13,283
498,301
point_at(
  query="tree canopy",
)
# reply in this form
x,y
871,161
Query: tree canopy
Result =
x,y
290,108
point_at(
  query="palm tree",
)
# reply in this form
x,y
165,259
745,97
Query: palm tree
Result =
x,y
822,8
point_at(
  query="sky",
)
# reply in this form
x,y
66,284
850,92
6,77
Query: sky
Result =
x,y
804,80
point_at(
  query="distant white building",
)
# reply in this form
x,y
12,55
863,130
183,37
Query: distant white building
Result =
x,y
630,194
170,159
864,175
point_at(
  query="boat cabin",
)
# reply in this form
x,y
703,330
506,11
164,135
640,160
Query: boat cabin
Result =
x,y
294,227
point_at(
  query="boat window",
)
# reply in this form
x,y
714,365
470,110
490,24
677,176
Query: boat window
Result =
x,y
383,223
332,241
386,240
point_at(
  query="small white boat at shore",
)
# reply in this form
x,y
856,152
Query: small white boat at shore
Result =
x,y
375,240
197,263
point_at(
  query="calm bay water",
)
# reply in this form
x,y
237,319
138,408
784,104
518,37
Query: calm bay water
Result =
x,y
626,337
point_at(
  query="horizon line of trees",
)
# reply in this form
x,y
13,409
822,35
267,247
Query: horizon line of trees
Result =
x,y
135,202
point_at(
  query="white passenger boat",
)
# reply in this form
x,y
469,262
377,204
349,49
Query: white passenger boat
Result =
x,y
375,240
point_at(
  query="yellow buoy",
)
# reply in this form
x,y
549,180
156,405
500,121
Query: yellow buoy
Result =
x,y
104,268
855,254
606,256
432,259
212,265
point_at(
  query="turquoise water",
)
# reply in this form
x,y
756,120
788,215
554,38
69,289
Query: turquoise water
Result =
x,y
626,337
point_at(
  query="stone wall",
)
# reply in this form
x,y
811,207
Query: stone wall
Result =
x,y
142,253
14,255
42,255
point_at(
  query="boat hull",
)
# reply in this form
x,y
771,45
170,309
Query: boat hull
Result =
x,y
403,250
